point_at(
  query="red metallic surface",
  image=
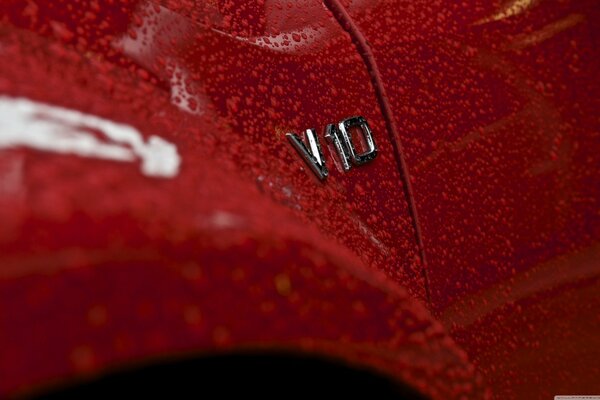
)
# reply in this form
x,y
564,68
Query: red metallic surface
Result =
x,y
496,104
480,211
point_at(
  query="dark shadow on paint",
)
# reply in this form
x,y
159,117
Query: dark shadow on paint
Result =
x,y
262,376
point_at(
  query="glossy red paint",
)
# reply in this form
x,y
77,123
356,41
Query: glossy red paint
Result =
x,y
496,108
482,205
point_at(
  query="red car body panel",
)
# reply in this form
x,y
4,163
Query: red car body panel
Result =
x,y
480,211
501,137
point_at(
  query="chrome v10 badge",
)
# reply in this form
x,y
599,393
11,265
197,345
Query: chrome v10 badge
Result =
x,y
340,137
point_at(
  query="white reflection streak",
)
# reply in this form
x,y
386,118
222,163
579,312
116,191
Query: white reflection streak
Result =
x,y
511,9
25,123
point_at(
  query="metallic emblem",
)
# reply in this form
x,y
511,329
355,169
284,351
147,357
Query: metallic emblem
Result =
x,y
313,155
340,136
